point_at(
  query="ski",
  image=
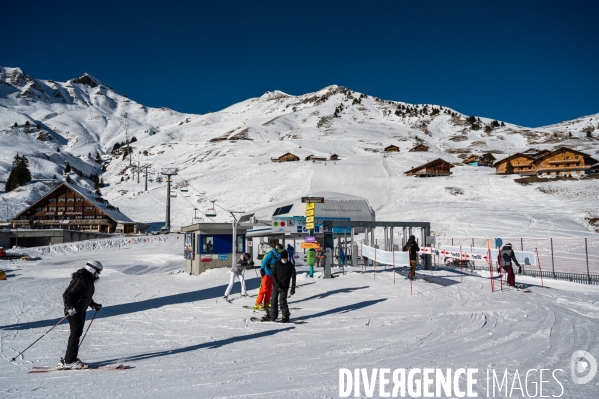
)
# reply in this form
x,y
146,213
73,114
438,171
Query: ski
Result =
x,y
47,369
254,308
256,319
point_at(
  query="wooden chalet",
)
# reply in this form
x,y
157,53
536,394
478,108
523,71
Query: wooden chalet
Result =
x,y
472,160
315,159
564,161
438,167
70,207
391,148
480,160
288,157
334,157
419,148
487,159
522,164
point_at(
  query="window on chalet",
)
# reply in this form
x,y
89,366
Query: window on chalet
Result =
x,y
78,199
51,208
61,199
78,217
70,208
78,208
70,199
61,208
51,199
99,217
90,208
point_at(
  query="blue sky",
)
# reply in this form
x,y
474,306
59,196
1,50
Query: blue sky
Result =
x,y
527,62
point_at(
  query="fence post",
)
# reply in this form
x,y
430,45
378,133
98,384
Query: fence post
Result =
x,y
522,244
552,262
452,241
586,251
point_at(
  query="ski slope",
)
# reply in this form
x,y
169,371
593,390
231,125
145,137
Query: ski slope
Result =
x,y
183,340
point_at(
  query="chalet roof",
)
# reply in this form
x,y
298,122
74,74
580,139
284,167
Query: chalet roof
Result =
x,y
102,205
288,153
419,146
518,154
391,146
488,155
583,154
431,163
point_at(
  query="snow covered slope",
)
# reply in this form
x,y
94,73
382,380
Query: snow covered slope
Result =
x,y
226,156
182,340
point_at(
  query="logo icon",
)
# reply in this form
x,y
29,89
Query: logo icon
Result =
x,y
583,362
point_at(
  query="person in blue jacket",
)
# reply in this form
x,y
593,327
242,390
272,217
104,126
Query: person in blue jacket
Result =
x,y
291,253
272,257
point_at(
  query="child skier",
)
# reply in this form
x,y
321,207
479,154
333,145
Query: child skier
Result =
x,y
244,262
283,273
77,298
269,260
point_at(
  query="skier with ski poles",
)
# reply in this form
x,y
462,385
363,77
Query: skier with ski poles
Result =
x,y
283,274
244,262
269,260
77,298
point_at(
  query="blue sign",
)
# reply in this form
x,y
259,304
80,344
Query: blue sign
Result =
x,y
223,257
498,242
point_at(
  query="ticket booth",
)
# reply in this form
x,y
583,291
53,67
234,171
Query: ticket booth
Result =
x,y
210,245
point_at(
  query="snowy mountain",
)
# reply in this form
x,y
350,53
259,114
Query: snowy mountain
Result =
x,y
227,156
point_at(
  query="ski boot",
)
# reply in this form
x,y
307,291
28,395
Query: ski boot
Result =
x,y
226,298
285,320
266,318
76,365
259,306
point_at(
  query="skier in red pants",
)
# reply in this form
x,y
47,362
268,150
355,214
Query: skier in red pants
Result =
x,y
506,255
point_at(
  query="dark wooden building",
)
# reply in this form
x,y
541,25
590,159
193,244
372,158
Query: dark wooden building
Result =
x,y
334,157
288,157
392,148
315,158
438,167
419,148
70,207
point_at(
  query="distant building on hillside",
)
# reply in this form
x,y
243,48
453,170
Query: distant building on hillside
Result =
x,y
487,159
438,167
315,158
419,148
334,157
391,148
70,207
288,157
563,161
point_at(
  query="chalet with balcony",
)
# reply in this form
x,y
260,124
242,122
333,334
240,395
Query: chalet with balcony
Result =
x,y
438,167
522,164
70,207
564,161
391,148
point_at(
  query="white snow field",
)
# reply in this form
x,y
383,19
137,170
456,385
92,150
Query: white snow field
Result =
x,y
226,156
182,340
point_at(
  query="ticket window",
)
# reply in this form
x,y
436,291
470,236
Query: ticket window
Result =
x,y
208,246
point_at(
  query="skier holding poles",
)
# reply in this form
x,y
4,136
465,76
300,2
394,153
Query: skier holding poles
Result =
x,y
237,270
269,260
506,255
412,247
77,298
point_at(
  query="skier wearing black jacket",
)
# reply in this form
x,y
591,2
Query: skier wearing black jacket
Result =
x,y
283,273
77,298
506,256
412,247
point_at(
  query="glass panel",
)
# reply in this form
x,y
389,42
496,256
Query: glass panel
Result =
x,y
208,246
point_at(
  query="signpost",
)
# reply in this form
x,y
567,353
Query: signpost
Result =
x,y
311,240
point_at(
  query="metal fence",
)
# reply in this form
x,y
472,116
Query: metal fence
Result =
x,y
570,259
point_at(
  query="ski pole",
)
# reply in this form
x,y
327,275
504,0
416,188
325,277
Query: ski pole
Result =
x,y
90,324
55,325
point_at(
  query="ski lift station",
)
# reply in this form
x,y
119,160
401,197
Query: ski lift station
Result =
x,y
337,217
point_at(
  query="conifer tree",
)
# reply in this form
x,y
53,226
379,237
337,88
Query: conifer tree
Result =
x,y
19,174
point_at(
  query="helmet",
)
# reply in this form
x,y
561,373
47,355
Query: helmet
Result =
x,y
94,267
279,248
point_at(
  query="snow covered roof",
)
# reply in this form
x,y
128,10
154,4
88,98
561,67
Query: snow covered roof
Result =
x,y
112,212
335,204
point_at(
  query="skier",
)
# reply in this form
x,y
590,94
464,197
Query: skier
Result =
x,y
269,260
244,262
291,252
77,298
341,257
506,255
283,273
412,247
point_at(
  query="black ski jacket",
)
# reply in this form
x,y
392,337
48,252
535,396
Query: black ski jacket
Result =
x,y
282,274
80,291
413,248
